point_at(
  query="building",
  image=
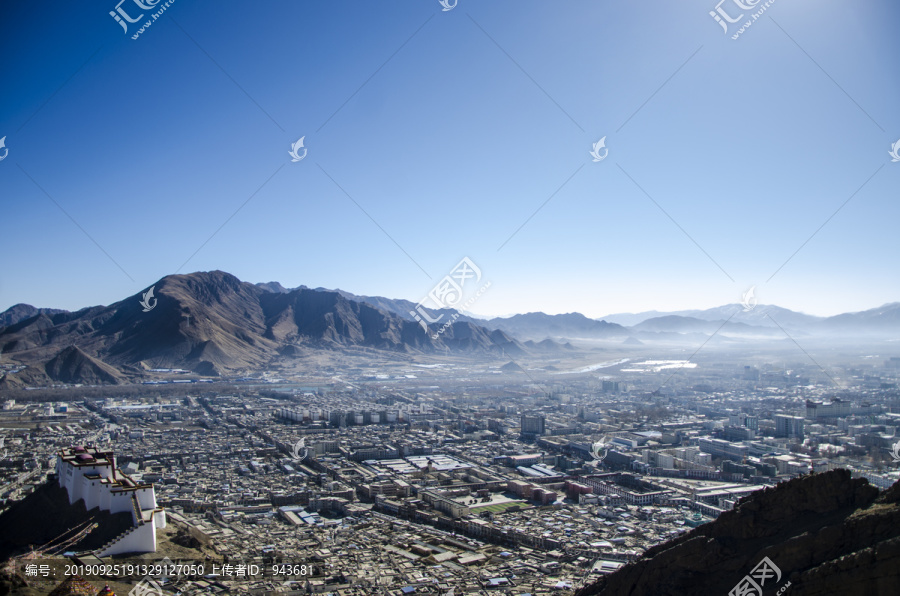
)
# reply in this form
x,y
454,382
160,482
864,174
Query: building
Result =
x,y
818,411
532,427
738,433
723,449
444,504
91,475
744,420
788,426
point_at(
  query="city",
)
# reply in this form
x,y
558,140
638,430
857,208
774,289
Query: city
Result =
x,y
431,477
450,298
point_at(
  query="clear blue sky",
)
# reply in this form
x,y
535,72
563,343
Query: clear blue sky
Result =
x,y
451,129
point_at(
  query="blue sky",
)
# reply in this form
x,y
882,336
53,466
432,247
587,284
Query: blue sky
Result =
x,y
450,129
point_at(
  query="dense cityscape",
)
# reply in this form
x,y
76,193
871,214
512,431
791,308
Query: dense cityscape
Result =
x,y
450,298
432,477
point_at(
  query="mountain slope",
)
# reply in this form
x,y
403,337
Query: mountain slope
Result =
x,y
682,324
826,533
875,319
761,315
212,321
72,365
537,325
20,312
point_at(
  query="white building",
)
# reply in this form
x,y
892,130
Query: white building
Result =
x,y
91,475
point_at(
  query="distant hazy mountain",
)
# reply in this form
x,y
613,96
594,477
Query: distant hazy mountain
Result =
x,y
537,325
884,319
734,312
875,319
213,322
20,312
682,324
273,286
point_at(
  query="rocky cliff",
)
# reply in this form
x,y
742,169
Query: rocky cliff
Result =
x,y
823,534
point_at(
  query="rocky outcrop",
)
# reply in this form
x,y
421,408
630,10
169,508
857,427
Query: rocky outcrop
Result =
x,y
826,533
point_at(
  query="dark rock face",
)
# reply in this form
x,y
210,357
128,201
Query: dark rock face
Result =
x,y
827,534
72,365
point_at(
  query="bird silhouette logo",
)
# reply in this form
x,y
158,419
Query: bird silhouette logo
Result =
x,y
297,448
447,6
595,152
894,152
146,298
748,299
295,148
6,151
600,449
895,452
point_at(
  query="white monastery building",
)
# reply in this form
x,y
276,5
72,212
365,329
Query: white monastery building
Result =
x,y
90,474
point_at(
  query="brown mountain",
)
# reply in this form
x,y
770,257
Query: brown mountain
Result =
x,y
212,322
825,533
72,365
20,312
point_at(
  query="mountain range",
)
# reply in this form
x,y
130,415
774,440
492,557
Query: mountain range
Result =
x,y
734,319
212,323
